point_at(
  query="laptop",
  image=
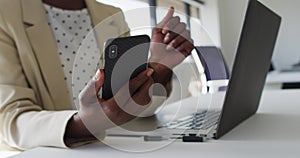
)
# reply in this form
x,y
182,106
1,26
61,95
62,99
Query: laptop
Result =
x,y
251,65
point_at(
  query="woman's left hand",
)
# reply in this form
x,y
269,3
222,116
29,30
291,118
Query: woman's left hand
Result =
x,y
171,41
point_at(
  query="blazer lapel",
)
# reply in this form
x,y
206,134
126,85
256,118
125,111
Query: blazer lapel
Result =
x,y
45,49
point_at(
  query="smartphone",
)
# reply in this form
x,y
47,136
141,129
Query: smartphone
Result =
x,y
124,59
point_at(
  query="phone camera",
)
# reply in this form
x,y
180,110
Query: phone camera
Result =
x,y
113,51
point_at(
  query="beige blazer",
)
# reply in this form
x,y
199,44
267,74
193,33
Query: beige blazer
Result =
x,y
34,104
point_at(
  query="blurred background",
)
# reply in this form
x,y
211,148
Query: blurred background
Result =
x,y
223,20
218,23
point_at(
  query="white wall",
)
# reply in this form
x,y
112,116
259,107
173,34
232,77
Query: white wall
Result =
x,y
231,14
209,16
287,50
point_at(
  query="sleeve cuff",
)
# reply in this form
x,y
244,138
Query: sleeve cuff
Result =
x,y
78,141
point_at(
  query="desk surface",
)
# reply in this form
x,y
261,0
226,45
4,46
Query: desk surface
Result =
x,y
273,132
283,77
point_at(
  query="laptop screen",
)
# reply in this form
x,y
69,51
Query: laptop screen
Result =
x,y
250,67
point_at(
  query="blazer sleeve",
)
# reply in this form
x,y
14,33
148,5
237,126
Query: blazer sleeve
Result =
x,y
23,123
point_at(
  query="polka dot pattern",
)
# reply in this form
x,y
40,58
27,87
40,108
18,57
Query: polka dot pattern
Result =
x,y
70,29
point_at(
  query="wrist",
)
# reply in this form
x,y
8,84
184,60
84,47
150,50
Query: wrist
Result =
x,y
155,59
76,130
162,74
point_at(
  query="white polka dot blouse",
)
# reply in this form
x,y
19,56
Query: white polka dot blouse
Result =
x,y
70,29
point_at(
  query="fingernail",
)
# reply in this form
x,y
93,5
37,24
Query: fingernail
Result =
x,y
169,47
97,76
166,39
102,71
150,72
171,7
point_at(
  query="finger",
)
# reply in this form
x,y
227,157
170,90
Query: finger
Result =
x,y
137,82
168,16
186,34
99,79
124,117
142,96
186,47
180,39
90,91
114,112
178,30
172,23
124,94
175,43
140,100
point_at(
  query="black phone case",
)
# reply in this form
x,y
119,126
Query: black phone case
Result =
x,y
132,56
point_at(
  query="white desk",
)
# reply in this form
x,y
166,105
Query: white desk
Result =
x,y
275,79
283,77
273,132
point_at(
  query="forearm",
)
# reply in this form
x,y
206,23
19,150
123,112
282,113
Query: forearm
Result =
x,y
162,75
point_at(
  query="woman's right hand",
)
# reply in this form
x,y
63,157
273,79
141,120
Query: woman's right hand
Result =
x,y
95,114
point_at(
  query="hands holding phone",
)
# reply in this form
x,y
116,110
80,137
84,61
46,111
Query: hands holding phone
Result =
x,y
95,114
170,44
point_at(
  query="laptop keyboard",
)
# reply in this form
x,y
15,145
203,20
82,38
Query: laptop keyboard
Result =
x,y
195,121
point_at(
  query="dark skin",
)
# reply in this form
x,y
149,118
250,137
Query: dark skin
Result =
x,y
67,4
139,87
170,32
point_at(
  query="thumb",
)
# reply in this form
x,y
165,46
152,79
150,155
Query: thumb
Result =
x,y
90,91
99,78
167,18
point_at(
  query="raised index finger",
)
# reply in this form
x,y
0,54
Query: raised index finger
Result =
x,y
167,18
